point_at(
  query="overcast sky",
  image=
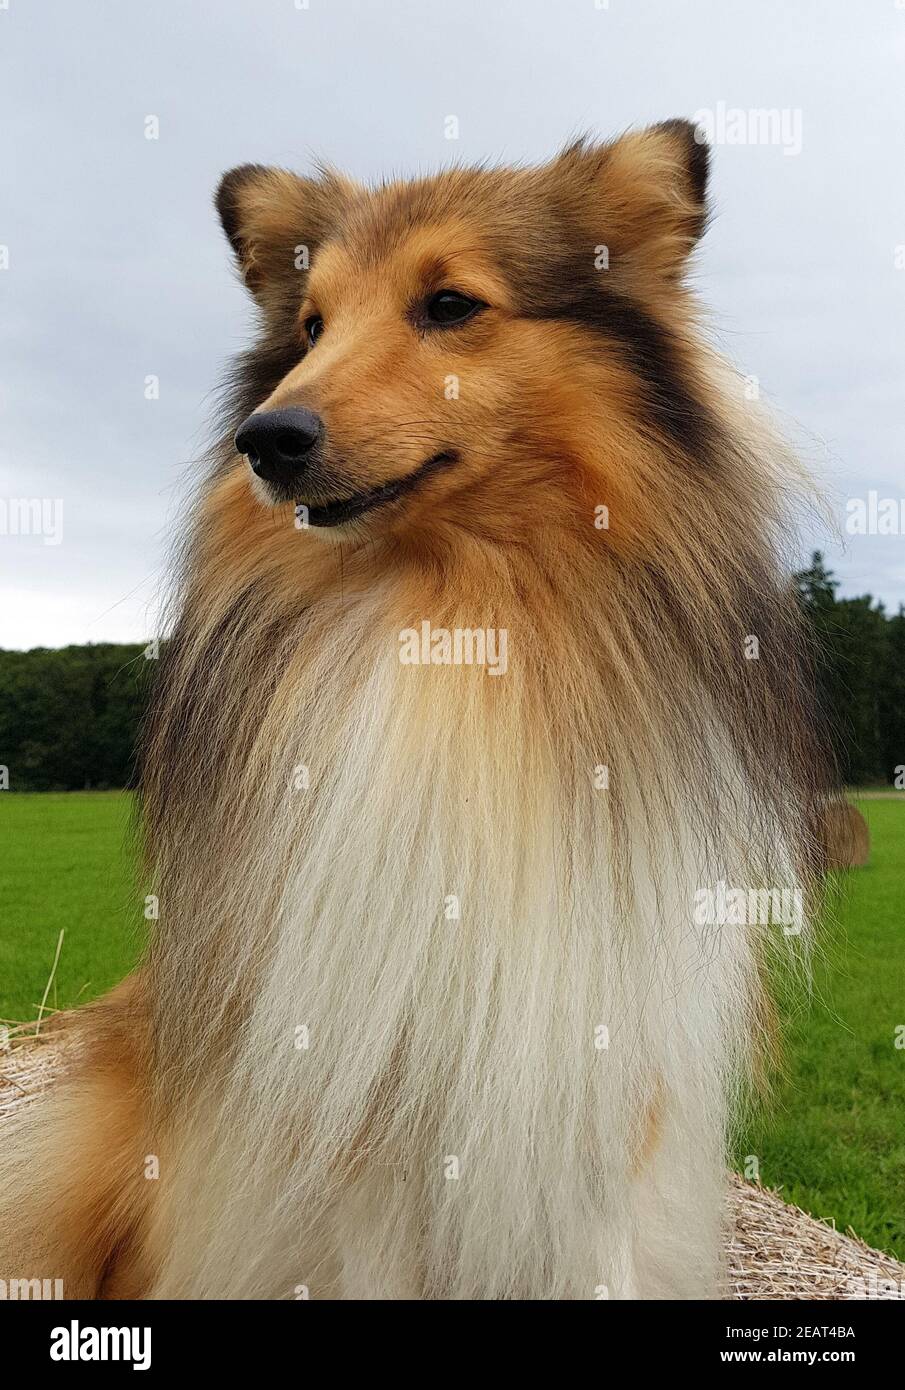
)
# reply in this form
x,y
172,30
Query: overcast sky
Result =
x,y
118,272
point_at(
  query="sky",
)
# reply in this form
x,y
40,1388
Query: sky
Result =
x,y
115,275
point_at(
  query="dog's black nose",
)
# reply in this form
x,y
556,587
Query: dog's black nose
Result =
x,y
278,443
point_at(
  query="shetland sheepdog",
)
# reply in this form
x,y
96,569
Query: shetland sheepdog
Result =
x,y
486,671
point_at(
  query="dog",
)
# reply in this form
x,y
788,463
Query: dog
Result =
x,y
486,665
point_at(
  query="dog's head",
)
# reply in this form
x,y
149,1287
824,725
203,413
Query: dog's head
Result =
x,y
473,347
455,376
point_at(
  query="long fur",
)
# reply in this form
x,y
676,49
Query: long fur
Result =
x,y
429,1014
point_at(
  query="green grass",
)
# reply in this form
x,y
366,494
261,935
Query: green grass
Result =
x,y
65,866
833,1140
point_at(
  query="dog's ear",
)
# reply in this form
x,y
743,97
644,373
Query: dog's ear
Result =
x,y
274,220
644,196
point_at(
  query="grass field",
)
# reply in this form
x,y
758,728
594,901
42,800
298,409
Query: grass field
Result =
x,y
833,1141
65,867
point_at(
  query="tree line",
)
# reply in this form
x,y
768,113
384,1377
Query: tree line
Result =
x,y
70,717
859,653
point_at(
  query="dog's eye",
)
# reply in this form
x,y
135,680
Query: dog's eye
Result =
x,y
314,327
448,307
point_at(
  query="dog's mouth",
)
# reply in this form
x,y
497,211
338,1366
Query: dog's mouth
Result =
x,y
349,508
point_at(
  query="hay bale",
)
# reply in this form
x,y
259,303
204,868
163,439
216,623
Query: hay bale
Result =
x,y
30,1064
846,836
776,1251
773,1251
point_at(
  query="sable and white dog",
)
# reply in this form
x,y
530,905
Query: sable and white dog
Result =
x,y
486,666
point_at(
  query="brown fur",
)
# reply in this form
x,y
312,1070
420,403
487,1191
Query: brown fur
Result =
x,y
82,1218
